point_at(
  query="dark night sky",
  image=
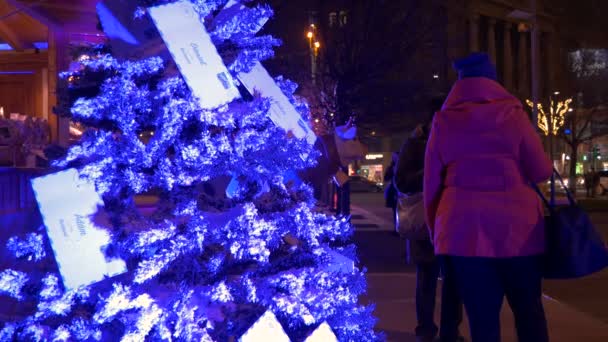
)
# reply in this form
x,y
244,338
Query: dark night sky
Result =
x,y
585,21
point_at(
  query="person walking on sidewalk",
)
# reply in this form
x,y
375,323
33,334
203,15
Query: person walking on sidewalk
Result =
x,y
481,157
409,180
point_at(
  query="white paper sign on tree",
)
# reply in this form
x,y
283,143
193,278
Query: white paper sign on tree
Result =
x,y
70,207
267,328
194,53
322,334
339,263
282,112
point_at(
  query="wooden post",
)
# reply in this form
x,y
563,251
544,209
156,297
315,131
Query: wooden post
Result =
x,y
58,61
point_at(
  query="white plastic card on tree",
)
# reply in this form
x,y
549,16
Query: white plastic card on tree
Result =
x,y
339,263
282,112
322,334
70,208
266,328
194,53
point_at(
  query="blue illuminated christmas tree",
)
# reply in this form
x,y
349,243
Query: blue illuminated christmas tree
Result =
x,y
202,265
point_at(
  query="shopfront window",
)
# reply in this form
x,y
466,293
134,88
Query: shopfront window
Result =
x,y
372,172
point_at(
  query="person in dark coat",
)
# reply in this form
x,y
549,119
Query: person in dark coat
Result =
x,y
391,193
409,180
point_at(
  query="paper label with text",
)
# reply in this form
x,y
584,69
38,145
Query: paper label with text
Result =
x,y
72,212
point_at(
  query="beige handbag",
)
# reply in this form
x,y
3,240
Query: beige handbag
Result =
x,y
410,217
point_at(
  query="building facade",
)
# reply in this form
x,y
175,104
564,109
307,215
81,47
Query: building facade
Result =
x,y
524,43
528,40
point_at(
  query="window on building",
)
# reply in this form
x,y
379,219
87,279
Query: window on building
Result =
x,y
333,19
343,18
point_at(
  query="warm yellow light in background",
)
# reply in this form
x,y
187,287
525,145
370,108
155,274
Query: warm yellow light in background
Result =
x,y
317,45
554,120
309,35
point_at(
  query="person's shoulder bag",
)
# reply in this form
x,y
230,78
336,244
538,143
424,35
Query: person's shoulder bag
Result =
x,y
574,248
410,217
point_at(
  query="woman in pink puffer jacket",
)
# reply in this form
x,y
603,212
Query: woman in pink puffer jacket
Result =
x,y
482,155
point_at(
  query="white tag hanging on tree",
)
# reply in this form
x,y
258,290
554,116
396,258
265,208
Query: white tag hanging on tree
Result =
x,y
323,333
72,212
266,328
194,53
282,112
339,263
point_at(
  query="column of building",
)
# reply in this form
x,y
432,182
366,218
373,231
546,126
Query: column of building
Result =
x,y
508,57
516,67
551,52
523,69
474,32
492,39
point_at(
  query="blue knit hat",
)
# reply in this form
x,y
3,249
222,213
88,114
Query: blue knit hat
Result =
x,y
477,64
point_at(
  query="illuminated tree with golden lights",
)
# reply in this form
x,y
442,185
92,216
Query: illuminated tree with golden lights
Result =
x,y
551,122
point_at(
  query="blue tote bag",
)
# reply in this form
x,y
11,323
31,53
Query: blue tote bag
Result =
x,y
574,248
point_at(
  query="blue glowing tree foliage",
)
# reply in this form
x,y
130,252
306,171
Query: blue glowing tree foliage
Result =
x,y
202,266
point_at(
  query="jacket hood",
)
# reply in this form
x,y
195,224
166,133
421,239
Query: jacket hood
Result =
x,y
478,103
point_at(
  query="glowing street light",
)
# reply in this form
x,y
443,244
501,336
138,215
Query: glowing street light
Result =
x,y
314,50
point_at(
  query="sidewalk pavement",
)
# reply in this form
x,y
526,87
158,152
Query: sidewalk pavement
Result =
x,y
393,295
391,288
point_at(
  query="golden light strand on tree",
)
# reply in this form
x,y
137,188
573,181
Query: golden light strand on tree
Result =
x,y
556,117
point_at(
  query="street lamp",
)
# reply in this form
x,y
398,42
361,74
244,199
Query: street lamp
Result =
x,y
314,51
